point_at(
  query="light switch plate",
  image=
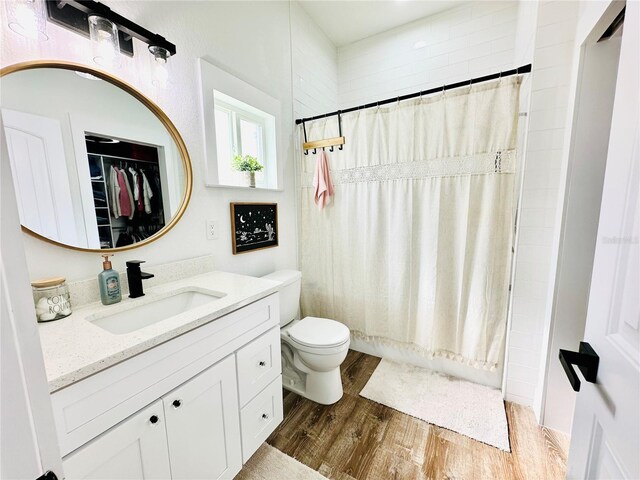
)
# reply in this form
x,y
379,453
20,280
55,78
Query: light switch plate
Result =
x,y
212,229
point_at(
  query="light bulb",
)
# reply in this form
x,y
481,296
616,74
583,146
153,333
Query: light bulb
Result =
x,y
104,40
159,68
27,18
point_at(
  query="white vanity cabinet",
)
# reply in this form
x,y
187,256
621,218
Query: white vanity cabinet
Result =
x,y
194,407
136,448
201,419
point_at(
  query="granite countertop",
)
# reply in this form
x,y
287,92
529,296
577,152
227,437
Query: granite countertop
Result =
x,y
75,348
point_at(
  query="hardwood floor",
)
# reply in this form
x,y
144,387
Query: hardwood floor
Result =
x,y
357,438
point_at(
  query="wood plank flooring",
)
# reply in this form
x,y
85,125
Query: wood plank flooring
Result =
x,y
357,438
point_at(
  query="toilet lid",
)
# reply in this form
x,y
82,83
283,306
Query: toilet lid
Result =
x,y
319,332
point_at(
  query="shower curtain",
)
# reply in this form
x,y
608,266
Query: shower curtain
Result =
x,y
415,248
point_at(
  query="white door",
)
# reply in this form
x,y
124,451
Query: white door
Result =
x,y
28,440
133,449
202,425
39,167
605,439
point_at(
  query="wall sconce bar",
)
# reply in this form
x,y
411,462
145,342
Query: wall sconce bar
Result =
x,y
73,14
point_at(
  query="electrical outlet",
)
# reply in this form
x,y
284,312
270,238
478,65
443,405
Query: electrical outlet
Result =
x,y
212,230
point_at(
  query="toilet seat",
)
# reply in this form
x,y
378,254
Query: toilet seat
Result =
x,y
317,332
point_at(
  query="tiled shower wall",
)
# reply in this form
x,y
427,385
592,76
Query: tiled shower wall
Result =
x,y
475,39
548,119
315,67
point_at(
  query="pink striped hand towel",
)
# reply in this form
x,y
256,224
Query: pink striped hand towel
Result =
x,y
322,184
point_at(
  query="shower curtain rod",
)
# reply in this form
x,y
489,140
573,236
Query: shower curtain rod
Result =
x,y
486,78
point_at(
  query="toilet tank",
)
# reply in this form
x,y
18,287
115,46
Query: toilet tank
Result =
x,y
290,281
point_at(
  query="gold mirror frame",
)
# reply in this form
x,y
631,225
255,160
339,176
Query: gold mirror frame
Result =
x,y
157,111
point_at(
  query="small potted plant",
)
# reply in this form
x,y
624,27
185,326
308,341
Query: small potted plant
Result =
x,y
249,165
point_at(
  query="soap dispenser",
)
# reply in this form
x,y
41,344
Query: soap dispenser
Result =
x,y
109,282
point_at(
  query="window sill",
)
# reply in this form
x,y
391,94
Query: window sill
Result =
x,y
240,187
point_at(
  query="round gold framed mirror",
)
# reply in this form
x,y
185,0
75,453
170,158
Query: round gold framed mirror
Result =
x,y
97,166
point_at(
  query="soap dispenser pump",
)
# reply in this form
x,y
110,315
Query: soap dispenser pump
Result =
x,y
109,282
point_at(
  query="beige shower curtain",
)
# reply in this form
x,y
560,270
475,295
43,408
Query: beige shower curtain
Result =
x,y
415,247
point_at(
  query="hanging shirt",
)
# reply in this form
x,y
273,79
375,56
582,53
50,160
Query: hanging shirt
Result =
x,y
137,189
126,197
114,193
147,193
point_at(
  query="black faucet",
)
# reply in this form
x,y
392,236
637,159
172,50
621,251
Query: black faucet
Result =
x,y
135,277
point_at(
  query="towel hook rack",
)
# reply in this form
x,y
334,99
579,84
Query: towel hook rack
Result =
x,y
327,142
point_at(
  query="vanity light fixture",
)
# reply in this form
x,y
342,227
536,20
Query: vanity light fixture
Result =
x,y
75,15
27,18
159,70
104,42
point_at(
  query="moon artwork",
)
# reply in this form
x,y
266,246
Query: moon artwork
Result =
x,y
254,226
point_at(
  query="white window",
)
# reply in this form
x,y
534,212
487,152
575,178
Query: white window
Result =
x,y
240,130
240,120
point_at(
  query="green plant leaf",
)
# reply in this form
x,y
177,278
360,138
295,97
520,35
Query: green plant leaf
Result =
x,y
246,163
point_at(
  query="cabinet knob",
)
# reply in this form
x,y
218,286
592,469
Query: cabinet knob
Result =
x,y
262,363
265,416
154,419
176,403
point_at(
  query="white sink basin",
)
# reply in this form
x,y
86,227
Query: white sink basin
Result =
x,y
155,311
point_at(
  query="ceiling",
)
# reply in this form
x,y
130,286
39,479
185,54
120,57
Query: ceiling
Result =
x,y
346,22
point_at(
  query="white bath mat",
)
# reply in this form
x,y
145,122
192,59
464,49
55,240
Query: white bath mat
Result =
x,y
269,463
464,407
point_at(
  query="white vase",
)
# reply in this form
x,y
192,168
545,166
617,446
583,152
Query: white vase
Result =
x,y
250,179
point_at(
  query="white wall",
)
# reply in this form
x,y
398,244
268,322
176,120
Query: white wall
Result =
x,y
216,31
315,67
474,39
554,46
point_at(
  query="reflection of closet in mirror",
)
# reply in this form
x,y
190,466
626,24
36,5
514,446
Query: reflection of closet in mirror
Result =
x,y
127,188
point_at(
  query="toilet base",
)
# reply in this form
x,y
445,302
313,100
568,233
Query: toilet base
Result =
x,y
320,387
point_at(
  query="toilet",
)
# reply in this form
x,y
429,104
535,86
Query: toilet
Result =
x,y
312,348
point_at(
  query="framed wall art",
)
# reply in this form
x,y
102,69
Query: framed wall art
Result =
x,y
254,226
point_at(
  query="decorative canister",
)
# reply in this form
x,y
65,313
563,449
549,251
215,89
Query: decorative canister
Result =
x,y
52,300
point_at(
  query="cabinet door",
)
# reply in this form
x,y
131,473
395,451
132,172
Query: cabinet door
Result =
x,y
203,427
133,449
